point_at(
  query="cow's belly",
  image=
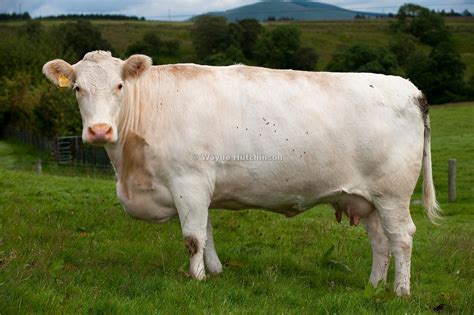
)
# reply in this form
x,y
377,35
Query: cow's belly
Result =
x,y
152,203
289,195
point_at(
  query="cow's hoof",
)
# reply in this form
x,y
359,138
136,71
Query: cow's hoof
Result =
x,y
198,275
402,291
214,267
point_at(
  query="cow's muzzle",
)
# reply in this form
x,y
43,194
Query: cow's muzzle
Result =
x,y
100,134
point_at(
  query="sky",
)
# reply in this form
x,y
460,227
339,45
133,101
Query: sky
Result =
x,y
184,9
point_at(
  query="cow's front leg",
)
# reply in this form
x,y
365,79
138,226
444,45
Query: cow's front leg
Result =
x,y
192,203
213,264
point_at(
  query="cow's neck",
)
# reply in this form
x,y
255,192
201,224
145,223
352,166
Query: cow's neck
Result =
x,y
135,119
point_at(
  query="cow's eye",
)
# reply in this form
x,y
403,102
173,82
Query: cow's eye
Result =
x,y
120,86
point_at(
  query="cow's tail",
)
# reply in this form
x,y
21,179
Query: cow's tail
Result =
x,y
429,195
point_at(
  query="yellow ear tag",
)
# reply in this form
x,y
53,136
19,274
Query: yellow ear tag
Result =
x,y
63,81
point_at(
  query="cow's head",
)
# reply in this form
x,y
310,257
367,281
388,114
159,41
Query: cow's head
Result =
x,y
98,81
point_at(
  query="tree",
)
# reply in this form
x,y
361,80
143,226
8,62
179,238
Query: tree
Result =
x,y
250,29
305,58
363,58
17,99
448,73
422,23
281,47
419,69
152,45
57,113
439,74
403,46
232,55
80,38
210,35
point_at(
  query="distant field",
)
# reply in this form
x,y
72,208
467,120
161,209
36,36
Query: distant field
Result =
x,y
66,246
327,37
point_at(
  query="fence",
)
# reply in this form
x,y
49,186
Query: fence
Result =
x,y
28,137
67,150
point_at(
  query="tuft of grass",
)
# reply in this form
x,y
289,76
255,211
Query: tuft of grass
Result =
x,y
66,246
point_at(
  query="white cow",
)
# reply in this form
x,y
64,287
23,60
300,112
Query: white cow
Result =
x,y
185,138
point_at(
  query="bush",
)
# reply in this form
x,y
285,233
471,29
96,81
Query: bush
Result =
x,y
439,74
281,49
57,113
448,73
403,46
232,55
210,35
305,58
363,58
17,99
80,38
152,45
250,29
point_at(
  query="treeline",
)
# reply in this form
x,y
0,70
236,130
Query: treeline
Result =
x,y
29,101
26,16
91,17
14,16
452,13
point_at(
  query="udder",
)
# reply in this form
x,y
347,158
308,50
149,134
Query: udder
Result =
x,y
355,207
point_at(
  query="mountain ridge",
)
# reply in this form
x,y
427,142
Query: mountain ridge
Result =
x,y
295,10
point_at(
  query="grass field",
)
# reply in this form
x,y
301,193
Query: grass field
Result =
x,y
66,246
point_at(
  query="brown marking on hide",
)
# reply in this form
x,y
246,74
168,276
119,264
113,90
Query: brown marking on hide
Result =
x,y
187,71
133,163
423,106
247,73
192,245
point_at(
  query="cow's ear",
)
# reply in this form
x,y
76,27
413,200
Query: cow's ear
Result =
x,y
59,72
135,66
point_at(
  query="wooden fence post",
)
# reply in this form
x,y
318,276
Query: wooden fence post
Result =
x,y
452,180
39,167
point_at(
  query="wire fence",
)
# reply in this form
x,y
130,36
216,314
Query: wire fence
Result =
x,y
65,150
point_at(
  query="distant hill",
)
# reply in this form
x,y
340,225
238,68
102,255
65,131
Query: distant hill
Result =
x,y
295,10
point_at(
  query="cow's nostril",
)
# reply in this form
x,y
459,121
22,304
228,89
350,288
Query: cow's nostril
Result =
x,y
91,132
109,132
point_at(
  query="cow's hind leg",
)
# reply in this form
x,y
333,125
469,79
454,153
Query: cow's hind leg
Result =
x,y
213,264
399,228
380,248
